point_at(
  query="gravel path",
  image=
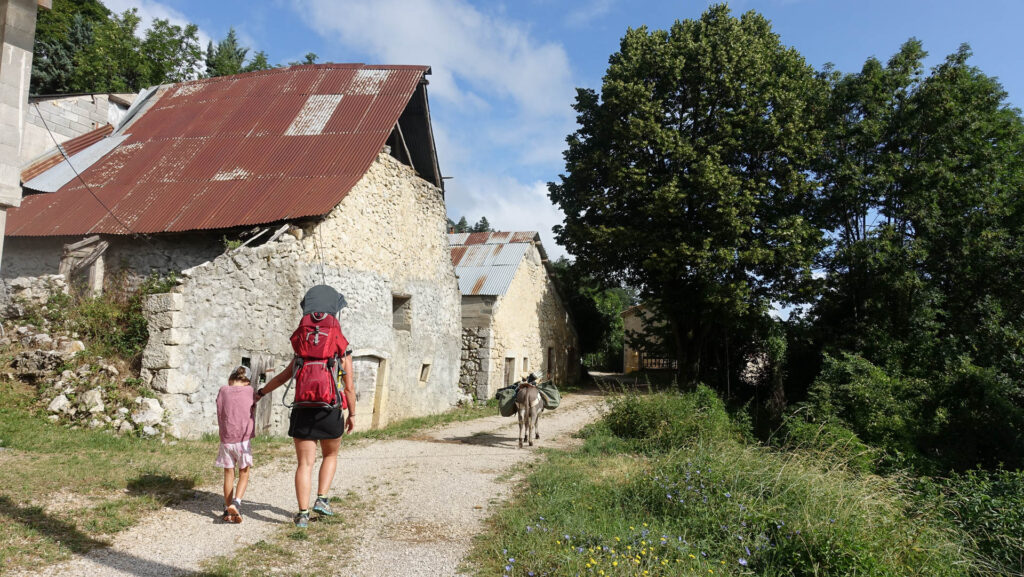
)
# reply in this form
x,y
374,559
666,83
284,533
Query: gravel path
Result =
x,y
431,495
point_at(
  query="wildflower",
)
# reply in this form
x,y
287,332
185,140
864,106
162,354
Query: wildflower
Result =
x,y
728,495
743,561
508,567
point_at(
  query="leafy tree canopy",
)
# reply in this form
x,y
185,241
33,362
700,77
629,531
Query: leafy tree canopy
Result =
x,y
688,176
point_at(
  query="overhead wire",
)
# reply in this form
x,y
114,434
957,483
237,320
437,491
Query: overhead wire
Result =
x,y
79,176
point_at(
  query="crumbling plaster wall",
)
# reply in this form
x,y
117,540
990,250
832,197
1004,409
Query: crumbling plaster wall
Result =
x,y
528,319
386,237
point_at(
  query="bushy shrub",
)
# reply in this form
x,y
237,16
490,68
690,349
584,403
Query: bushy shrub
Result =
x,y
886,410
989,505
111,324
827,438
667,421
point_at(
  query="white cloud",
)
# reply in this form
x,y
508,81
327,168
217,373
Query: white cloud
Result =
x,y
508,204
586,14
469,51
149,11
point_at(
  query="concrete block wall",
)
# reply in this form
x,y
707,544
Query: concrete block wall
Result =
x,y
67,117
17,29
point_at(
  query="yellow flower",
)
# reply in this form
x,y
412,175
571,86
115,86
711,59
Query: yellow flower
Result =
x,y
615,563
692,556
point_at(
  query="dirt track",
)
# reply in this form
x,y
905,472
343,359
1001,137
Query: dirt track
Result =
x,y
431,495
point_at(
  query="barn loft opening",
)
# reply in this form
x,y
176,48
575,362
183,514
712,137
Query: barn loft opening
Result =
x,y
412,138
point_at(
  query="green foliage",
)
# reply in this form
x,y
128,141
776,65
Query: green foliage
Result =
x,y
885,410
689,175
230,244
665,422
595,313
921,177
829,439
482,225
227,58
111,324
714,503
989,505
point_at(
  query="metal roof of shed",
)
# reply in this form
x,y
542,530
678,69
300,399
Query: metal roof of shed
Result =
x,y
486,263
231,151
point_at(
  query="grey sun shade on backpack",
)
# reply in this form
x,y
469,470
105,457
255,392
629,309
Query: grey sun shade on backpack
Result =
x,y
322,299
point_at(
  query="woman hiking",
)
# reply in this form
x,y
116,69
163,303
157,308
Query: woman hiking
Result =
x,y
314,421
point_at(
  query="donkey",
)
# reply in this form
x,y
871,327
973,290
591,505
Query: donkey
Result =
x,y
529,405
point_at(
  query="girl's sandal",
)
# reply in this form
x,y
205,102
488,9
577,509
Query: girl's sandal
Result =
x,y
231,515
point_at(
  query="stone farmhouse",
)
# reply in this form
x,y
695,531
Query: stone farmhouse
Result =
x,y
329,175
636,321
513,320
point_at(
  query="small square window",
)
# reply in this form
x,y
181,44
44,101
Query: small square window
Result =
x,y
424,373
401,310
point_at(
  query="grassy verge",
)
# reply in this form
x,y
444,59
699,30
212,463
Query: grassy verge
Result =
x,y
666,484
66,491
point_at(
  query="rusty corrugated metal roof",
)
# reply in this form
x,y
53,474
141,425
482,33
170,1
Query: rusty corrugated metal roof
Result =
x,y
231,151
71,148
486,262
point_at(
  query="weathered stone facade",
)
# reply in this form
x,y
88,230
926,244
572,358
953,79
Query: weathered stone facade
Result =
x,y
526,329
383,247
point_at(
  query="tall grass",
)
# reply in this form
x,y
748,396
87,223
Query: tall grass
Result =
x,y
666,484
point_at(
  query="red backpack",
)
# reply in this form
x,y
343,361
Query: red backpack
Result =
x,y
319,347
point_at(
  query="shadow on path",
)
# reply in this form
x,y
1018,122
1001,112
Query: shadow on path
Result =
x,y
69,536
177,493
483,440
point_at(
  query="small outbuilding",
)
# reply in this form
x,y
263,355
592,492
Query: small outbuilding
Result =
x,y
513,319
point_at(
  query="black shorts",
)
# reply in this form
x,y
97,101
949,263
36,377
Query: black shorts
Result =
x,y
316,423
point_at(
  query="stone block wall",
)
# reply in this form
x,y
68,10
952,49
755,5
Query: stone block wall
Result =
x,y
386,238
163,254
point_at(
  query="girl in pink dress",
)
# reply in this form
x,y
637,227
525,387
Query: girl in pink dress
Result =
x,y
236,418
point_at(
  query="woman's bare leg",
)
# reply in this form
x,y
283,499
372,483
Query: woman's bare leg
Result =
x,y
243,482
305,452
329,447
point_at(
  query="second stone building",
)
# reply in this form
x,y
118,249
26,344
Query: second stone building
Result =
x,y
513,319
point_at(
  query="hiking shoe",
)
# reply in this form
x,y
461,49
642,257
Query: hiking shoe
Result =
x,y
302,520
322,506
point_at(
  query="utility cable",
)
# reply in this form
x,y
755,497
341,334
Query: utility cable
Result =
x,y
84,183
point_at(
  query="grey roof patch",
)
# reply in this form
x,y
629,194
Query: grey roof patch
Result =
x,y
52,180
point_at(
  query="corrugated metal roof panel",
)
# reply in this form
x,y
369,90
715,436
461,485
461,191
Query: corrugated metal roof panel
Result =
x,y
71,148
485,280
60,173
217,152
497,237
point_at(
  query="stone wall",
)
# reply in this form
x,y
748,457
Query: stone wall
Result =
x,y
163,254
385,241
529,321
67,117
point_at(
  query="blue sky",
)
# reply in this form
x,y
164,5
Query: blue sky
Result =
x,y
504,73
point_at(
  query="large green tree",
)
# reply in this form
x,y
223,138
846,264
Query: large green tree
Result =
x,y
689,175
922,178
